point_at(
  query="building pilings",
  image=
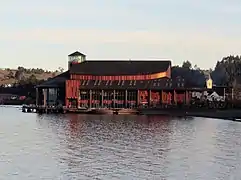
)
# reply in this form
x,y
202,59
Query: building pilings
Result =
x,y
44,97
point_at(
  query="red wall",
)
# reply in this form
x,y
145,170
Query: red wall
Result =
x,y
72,90
143,97
155,97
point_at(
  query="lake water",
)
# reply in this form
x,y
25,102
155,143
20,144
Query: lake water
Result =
x,y
67,147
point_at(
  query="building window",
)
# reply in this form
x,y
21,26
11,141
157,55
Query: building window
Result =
x,y
96,81
134,83
130,83
119,99
87,83
123,82
131,99
108,97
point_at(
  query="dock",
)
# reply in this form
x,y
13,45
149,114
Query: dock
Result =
x,y
63,110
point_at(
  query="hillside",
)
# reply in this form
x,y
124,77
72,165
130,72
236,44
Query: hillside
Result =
x,y
11,76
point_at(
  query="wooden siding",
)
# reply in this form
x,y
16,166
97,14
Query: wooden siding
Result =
x,y
121,78
72,90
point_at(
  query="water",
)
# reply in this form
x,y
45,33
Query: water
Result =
x,y
67,147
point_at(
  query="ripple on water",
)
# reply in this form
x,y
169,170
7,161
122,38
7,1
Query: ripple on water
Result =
x,y
117,147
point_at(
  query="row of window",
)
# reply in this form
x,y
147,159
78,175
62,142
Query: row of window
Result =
x,y
167,84
131,83
108,83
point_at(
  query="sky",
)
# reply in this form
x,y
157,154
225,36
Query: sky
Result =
x,y
43,33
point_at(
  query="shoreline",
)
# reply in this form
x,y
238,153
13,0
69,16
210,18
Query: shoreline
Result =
x,y
226,114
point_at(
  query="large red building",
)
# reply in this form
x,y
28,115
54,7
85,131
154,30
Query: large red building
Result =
x,y
112,84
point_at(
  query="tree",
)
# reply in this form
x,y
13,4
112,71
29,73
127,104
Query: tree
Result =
x,y
53,74
32,79
227,71
11,74
19,75
187,64
61,69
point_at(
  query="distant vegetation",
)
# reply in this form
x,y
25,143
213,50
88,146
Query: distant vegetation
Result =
x,y
226,72
21,76
22,81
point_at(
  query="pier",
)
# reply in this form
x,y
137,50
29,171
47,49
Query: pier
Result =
x,y
41,109
63,110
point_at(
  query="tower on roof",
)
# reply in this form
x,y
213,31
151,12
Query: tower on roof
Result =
x,y
209,82
76,58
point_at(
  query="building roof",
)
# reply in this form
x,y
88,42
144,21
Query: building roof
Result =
x,y
57,81
108,68
157,84
77,53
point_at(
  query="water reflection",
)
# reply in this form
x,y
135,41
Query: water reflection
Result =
x,y
140,147
117,147
112,145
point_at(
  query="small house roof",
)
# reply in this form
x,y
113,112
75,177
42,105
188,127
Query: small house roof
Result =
x,y
77,53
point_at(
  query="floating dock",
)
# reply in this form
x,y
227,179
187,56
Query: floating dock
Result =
x,y
63,110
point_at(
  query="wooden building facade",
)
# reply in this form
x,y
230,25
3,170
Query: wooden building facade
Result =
x,y
113,84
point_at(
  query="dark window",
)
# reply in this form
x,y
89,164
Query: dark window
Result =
x,y
130,83
96,81
87,82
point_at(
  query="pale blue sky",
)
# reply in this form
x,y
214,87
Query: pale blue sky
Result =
x,y
42,33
